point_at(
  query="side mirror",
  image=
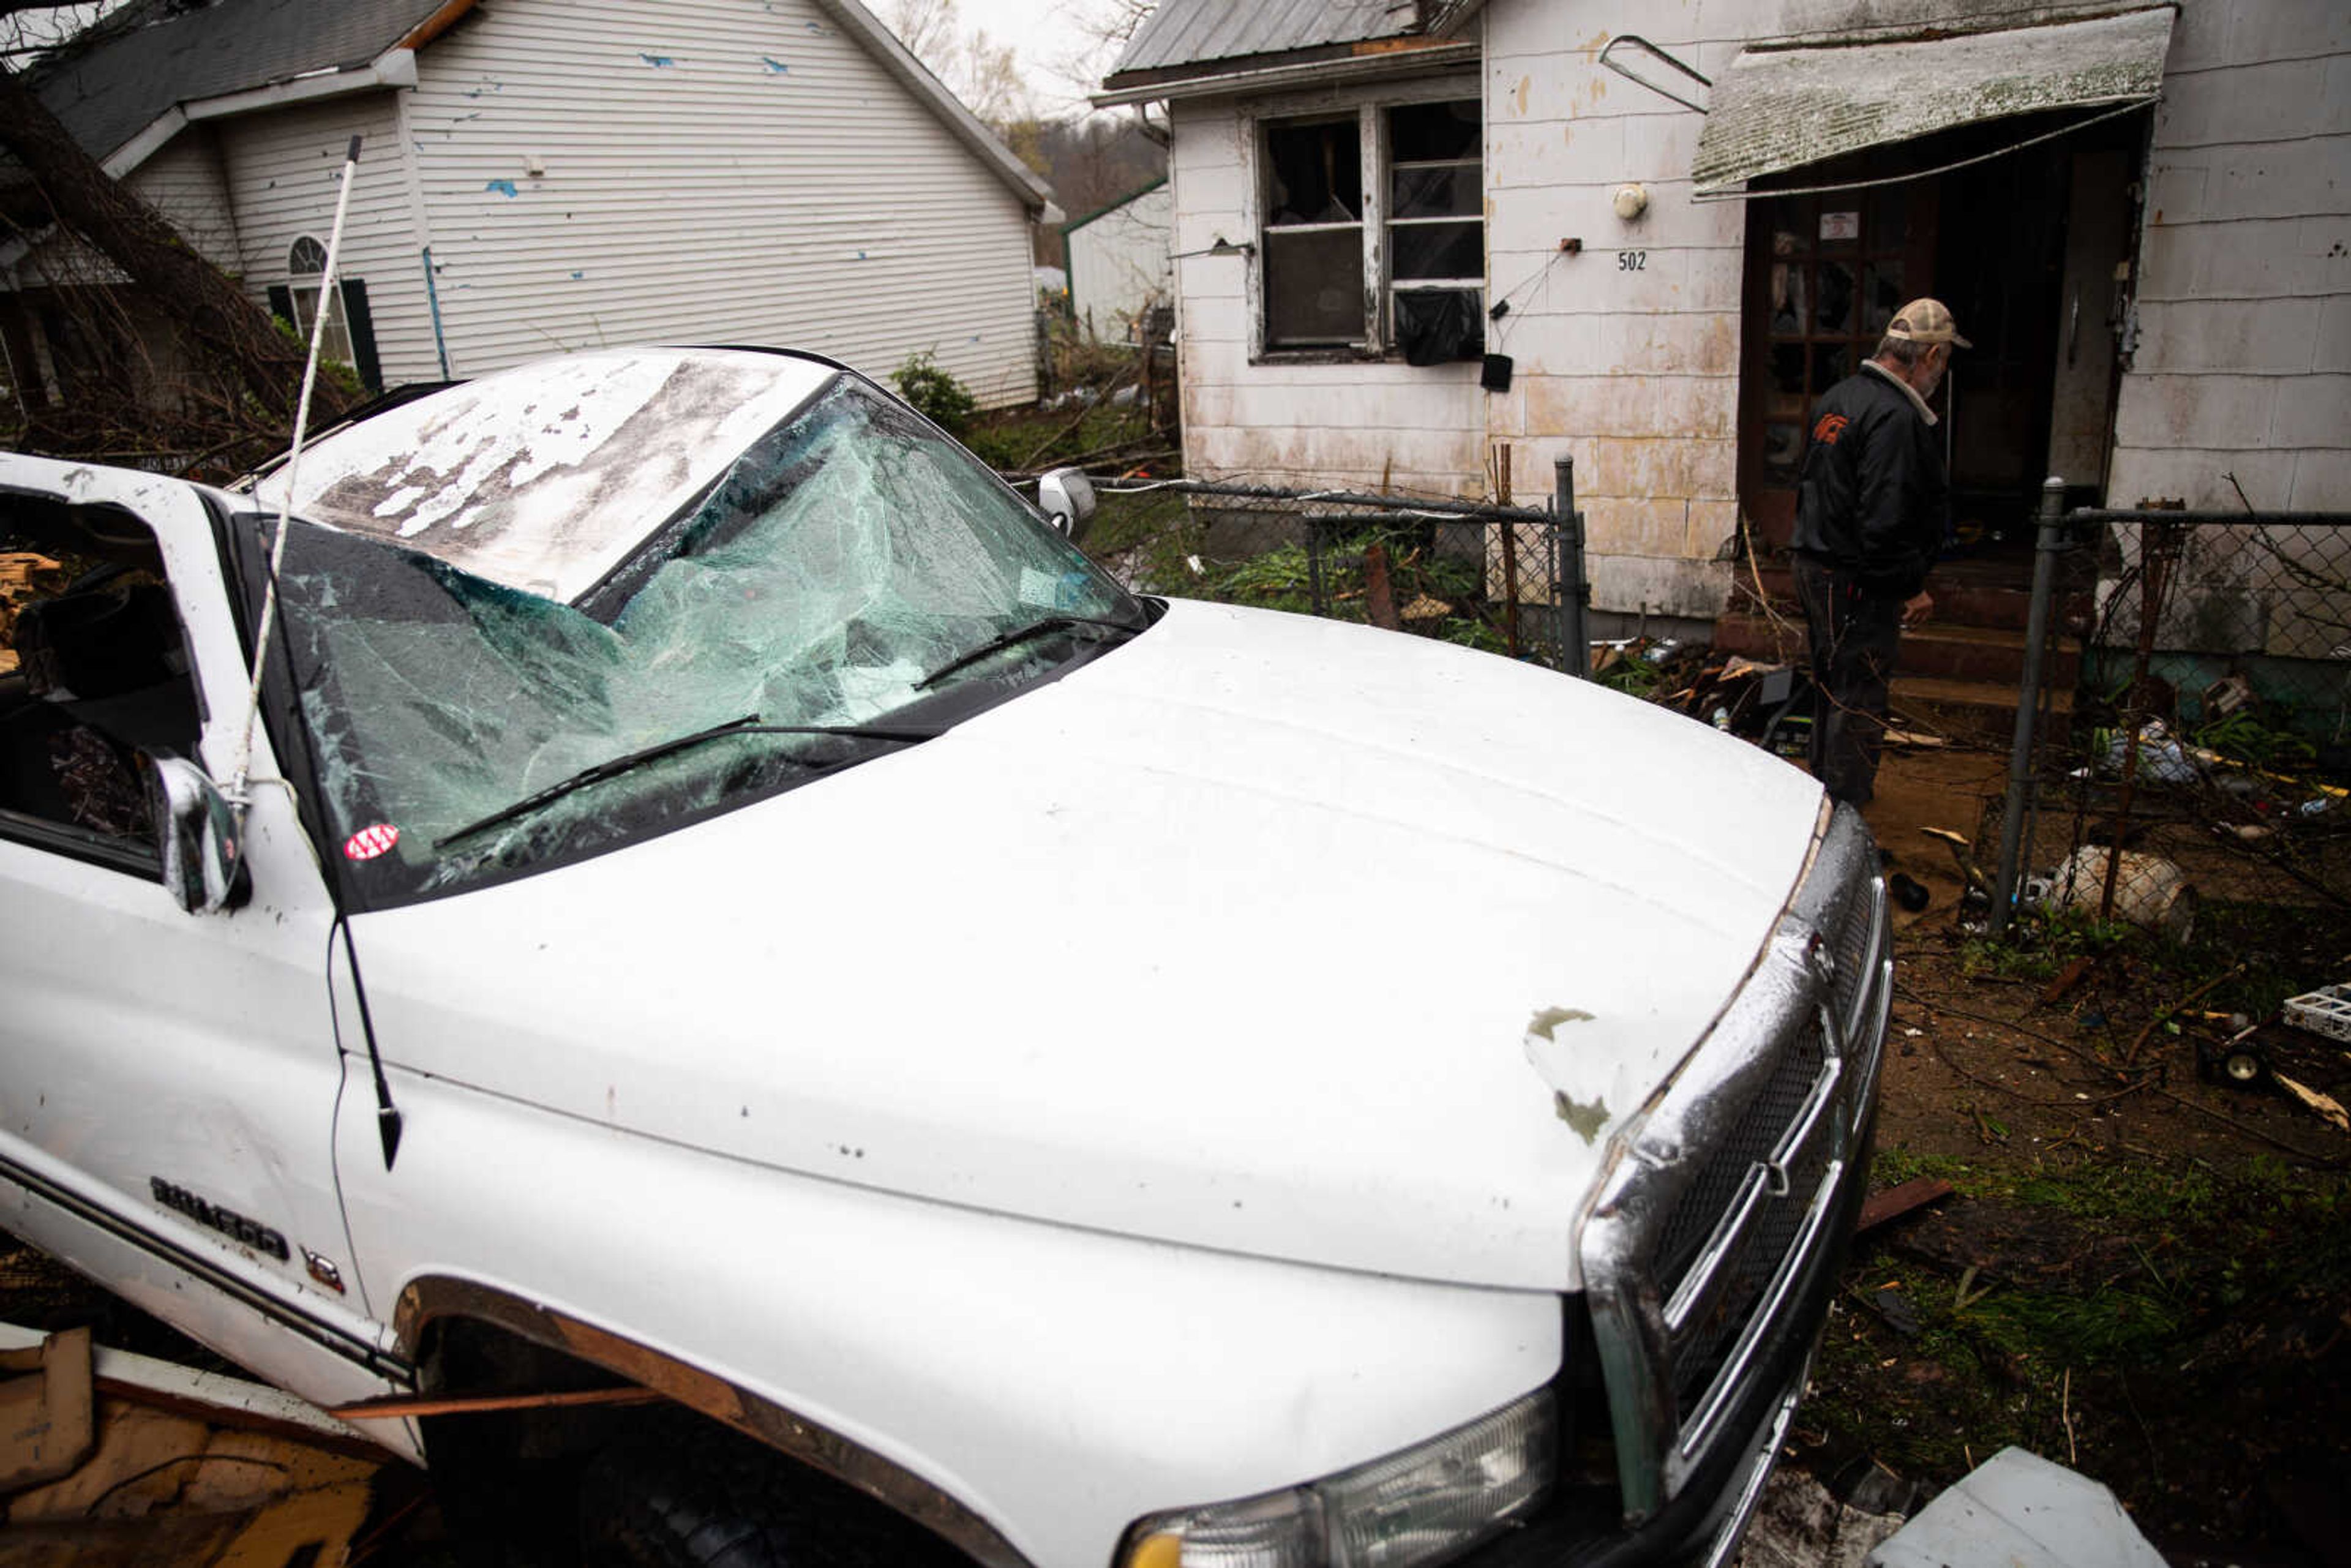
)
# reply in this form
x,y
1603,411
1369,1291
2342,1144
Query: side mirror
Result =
x,y
196,836
1066,496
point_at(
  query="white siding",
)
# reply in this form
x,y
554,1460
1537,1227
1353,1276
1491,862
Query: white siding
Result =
x,y
1369,424
185,182
731,171
285,168
1627,354
2244,359
1120,265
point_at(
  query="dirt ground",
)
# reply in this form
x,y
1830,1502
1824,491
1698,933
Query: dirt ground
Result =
x,y
2141,1274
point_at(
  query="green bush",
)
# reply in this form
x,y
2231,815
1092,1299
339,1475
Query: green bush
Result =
x,y
934,394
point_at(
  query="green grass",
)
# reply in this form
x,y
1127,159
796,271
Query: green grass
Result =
x,y
2170,1267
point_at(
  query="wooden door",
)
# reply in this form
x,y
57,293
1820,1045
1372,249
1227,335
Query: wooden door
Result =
x,y
1824,275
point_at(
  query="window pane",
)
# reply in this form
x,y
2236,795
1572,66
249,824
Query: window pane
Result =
x,y
1438,250
1881,295
1314,287
1832,362
1784,395
1314,174
1419,132
337,343
1445,191
1889,217
1791,233
1436,325
1788,298
1835,301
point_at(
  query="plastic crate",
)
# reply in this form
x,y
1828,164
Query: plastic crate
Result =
x,y
2327,1012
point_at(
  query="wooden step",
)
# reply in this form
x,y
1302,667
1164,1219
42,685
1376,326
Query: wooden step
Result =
x,y
1962,598
1972,710
1938,649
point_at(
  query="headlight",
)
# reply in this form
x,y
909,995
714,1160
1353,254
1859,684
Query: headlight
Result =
x,y
1423,1505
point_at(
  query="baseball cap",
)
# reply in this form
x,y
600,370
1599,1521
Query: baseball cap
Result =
x,y
1926,321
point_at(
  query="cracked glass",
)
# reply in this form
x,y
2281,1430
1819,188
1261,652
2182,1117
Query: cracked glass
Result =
x,y
463,729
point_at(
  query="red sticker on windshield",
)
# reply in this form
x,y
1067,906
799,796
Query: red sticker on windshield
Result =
x,y
370,842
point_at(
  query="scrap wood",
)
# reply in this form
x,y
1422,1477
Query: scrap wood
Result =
x,y
401,1405
209,1396
1896,1201
47,1425
18,568
2326,1105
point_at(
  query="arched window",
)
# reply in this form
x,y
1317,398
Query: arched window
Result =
x,y
306,272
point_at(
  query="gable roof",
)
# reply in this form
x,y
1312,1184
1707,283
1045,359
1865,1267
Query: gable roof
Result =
x,y
125,94
116,87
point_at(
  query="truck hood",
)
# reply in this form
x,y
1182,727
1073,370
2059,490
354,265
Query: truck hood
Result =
x,y
1260,932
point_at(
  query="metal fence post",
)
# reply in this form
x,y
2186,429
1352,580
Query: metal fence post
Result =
x,y
2050,540
1574,589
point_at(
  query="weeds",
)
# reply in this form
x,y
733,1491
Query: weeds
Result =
x,y
2112,1283
934,394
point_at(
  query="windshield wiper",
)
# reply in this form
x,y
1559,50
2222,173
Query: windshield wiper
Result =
x,y
1018,635
628,760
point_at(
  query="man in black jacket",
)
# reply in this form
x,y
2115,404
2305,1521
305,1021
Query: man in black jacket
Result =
x,y
1870,510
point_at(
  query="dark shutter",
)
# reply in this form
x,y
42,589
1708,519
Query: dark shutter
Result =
x,y
361,327
281,303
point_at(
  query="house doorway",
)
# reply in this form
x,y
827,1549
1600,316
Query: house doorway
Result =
x,y
2031,249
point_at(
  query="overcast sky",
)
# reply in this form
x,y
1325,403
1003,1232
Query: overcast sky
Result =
x,y
1063,62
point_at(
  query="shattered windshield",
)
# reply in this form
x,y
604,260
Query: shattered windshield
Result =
x,y
851,583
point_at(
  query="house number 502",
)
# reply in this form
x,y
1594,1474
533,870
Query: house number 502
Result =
x,y
1631,260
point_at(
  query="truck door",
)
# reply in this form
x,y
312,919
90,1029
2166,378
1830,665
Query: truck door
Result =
x,y
168,1081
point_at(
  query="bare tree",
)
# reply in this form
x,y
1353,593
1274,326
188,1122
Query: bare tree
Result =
x,y
66,195
984,74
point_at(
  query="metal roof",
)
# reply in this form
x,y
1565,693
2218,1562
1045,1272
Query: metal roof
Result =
x,y
110,91
1779,108
1189,32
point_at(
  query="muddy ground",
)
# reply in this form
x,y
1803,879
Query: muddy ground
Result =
x,y
2141,1273
2138,1273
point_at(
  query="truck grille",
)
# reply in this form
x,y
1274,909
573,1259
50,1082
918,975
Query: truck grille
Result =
x,y
1719,1197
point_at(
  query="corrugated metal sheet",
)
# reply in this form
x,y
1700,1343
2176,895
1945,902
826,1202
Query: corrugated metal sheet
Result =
x,y
108,94
1187,32
1780,108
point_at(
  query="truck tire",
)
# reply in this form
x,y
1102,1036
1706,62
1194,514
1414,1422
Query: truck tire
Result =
x,y
685,1497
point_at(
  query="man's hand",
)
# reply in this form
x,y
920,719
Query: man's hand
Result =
x,y
1914,611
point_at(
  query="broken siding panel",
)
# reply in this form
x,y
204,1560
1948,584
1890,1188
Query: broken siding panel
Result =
x,y
285,168
713,172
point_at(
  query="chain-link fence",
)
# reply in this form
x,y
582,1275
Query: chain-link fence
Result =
x,y
1502,577
2205,751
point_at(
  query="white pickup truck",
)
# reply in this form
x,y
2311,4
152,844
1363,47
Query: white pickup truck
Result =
x,y
720,913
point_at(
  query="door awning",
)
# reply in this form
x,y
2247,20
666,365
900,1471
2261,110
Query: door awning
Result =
x,y
1780,108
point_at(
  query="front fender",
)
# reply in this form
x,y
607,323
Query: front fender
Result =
x,y
1025,1389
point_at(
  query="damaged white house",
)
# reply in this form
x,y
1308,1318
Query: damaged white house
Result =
x,y
1409,232
537,176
